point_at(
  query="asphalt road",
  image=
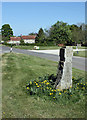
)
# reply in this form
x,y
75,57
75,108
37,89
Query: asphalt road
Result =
x,y
77,62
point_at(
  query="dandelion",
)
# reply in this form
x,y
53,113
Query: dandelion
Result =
x,y
83,88
70,86
64,91
73,77
30,82
44,81
47,88
54,97
59,93
38,86
51,90
51,93
34,82
3,112
77,88
47,83
57,89
70,95
27,88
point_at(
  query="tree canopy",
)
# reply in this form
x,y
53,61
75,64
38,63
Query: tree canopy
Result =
x,y
7,32
60,33
40,36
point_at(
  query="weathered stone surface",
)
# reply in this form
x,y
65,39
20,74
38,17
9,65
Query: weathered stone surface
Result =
x,y
64,76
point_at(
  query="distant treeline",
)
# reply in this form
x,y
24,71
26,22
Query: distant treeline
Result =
x,y
59,33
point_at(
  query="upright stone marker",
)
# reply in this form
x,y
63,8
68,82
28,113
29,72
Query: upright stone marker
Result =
x,y
64,75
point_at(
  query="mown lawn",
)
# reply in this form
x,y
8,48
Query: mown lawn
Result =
x,y
80,54
18,70
31,47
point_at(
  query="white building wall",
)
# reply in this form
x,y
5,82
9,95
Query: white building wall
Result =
x,y
13,42
29,40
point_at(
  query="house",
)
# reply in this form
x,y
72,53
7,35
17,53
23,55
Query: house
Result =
x,y
14,40
27,39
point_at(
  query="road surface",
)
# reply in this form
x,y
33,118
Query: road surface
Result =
x,y
77,62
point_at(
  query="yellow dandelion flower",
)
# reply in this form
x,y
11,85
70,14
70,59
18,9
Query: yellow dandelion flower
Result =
x,y
59,93
30,82
3,112
57,89
53,97
47,88
27,88
83,88
47,83
51,90
34,82
38,86
44,81
70,86
51,93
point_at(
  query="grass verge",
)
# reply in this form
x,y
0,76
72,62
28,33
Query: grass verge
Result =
x,y
31,47
80,54
18,70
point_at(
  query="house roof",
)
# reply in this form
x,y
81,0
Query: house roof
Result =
x,y
15,38
29,37
23,37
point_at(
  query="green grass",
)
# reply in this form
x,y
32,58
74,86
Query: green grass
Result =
x,y
80,54
18,70
31,47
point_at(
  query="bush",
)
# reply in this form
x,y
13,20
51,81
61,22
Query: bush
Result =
x,y
44,86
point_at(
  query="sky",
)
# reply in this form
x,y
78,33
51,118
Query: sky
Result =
x,y
27,17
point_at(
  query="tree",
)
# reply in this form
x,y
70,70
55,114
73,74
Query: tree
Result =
x,y
22,41
60,33
78,33
7,32
32,33
40,38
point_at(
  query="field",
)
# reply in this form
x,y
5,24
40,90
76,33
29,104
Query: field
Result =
x,y
18,70
31,47
80,54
